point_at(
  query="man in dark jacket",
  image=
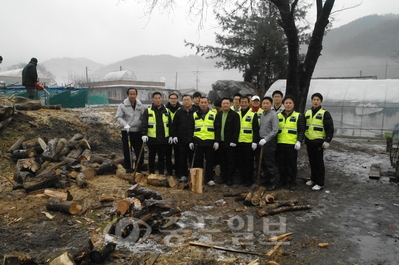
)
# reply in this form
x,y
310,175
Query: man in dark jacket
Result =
x,y
318,135
29,77
155,128
181,129
227,124
172,106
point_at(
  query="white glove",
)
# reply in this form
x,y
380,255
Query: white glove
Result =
x,y
127,127
325,145
175,140
254,145
216,146
170,140
191,145
144,138
233,144
262,142
297,145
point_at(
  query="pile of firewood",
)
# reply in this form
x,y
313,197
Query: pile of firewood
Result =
x,y
267,203
58,163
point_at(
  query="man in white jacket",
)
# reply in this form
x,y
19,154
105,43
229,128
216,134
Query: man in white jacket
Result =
x,y
129,115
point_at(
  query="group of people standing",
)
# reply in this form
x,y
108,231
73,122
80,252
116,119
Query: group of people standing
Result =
x,y
235,136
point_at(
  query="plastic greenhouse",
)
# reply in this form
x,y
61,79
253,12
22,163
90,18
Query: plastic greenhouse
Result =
x,y
359,107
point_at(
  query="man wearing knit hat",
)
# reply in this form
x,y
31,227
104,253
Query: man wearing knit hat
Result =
x,y
318,135
29,77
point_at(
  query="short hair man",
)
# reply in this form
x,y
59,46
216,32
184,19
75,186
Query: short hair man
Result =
x,y
29,77
173,106
156,131
318,135
236,102
278,107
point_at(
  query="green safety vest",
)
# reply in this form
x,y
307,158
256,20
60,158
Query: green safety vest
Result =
x,y
246,131
314,125
152,123
204,128
288,129
172,114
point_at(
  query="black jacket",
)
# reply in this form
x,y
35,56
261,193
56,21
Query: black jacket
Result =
x,y
328,125
231,127
29,74
182,124
160,137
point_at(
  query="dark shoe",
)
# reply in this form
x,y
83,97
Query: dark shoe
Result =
x,y
129,170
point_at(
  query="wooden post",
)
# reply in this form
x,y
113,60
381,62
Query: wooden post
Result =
x,y
197,180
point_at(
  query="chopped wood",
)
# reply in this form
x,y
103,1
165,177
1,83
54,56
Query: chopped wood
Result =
x,y
375,171
28,164
20,176
85,155
197,180
257,195
81,180
22,153
250,194
4,123
64,196
322,244
200,244
64,259
69,207
42,143
277,238
266,212
278,204
96,159
75,153
172,181
17,258
48,180
276,247
157,180
77,137
100,250
88,172
17,144
128,205
48,215
139,191
33,143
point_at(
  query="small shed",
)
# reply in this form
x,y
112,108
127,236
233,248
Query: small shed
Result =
x,y
359,107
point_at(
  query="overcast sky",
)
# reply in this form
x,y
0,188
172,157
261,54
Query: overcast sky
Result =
x,y
107,31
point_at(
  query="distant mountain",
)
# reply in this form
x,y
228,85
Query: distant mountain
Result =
x,y
363,47
65,68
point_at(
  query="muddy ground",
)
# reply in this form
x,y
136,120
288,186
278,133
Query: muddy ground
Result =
x,y
356,216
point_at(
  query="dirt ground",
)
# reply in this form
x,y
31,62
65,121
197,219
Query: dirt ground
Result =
x,y
357,217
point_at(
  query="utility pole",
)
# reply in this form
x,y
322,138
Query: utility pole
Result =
x,y
176,82
120,68
386,70
197,79
87,75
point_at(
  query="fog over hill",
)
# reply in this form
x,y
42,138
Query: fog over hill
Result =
x,y
362,47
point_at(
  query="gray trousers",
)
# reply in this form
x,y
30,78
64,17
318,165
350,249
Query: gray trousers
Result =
x,y
31,91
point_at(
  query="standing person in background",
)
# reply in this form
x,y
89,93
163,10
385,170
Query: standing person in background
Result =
x,y
196,100
228,126
278,107
29,77
290,135
181,130
255,107
129,115
247,141
318,135
236,102
156,125
1,59
173,105
267,133
204,141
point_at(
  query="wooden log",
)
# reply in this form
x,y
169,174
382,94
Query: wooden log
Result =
x,y
128,205
108,167
137,190
172,181
257,195
197,180
83,143
50,154
76,137
64,196
47,179
278,204
157,180
81,180
96,159
28,164
22,153
4,123
69,207
266,199
83,255
42,143
75,153
57,106
17,144
20,176
33,143
250,194
85,155
28,106
100,250
64,259
61,144
88,172
266,212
